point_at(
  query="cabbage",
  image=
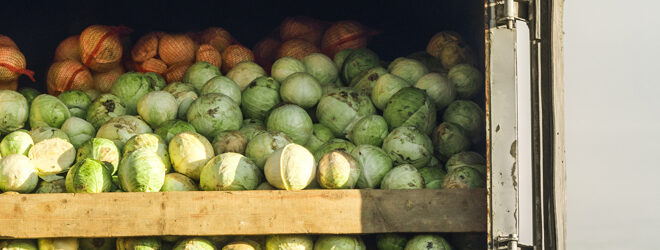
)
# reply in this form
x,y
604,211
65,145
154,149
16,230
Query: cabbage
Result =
x,y
104,108
13,111
130,87
403,177
141,171
18,174
213,113
230,172
222,85
200,73
17,142
189,153
47,111
291,120
89,176
78,131
157,107
77,102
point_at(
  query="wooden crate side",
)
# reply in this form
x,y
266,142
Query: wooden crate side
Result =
x,y
242,213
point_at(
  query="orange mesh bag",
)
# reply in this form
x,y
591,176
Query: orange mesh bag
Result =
x,y
439,40
175,72
11,85
146,47
234,54
101,47
344,35
265,52
178,48
5,41
12,65
66,75
207,53
301,27
69,48
152,65
217,37
296,48
104,81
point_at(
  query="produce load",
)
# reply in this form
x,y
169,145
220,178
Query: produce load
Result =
x,y
311,121
12,64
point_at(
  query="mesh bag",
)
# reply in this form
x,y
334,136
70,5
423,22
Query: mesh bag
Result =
x,y
175,72
207,53
296,48
101,47
66,75
265,52
301,27
217,37
440,40
176,48
12,65
152,65
69,48
233,55
104,81
146,47
344,35
5,41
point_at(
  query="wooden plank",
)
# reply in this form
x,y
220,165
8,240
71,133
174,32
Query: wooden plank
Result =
x,y
242,213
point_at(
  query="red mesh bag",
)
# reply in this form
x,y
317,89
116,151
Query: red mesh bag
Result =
x,y
296,48
217,37
69,48
207,53
265,52
66,75
101,48
233,55
12,65
344,35
5,41
152,65
301,27
146,47
175,72
177,48
104,81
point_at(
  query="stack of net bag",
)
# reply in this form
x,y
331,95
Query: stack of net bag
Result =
x,y
91,60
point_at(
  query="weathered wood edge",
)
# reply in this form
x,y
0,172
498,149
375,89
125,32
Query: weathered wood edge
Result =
x,y
242,213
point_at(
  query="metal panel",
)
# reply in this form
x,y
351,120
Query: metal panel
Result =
x,y
502,133
548,125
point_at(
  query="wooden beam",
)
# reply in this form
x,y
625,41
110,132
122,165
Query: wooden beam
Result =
x,y
242,213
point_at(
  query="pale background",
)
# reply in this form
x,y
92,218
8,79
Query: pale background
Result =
x,y
612,65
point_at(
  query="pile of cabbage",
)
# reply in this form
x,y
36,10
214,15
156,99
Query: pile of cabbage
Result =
x,y
352,121
274,242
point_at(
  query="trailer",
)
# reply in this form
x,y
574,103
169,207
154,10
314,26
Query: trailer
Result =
x,y
491,26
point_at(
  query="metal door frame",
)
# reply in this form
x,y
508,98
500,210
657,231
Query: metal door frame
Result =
x,y
544,18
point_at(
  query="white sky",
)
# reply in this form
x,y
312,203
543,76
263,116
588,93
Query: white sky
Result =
x,y
612,64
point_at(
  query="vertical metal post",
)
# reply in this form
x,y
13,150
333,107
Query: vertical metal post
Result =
x,y
502,121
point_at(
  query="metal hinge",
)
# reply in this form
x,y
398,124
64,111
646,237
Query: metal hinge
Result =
x,y
510,242
507,12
